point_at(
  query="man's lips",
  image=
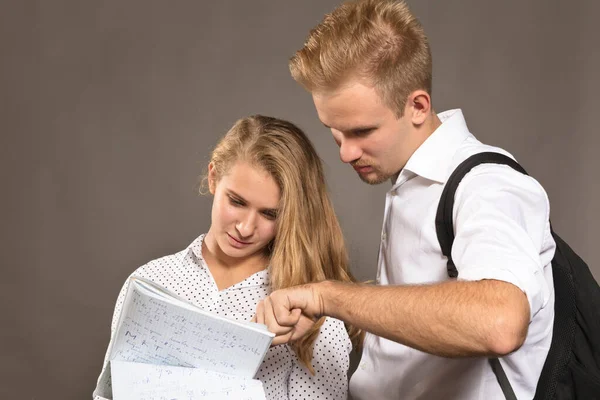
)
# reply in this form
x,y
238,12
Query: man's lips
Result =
x,y
362,168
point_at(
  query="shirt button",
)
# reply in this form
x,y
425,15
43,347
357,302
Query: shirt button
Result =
x,y
383,236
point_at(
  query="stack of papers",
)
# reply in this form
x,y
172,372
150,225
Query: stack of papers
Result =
x,y
136,381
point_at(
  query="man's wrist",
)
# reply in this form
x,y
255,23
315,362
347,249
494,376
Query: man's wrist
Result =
x,y
325,293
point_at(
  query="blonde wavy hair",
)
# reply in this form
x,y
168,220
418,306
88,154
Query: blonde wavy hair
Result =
x,y
309,244
379,41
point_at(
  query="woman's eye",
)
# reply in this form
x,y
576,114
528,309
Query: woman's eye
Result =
x,y
270,215
236,202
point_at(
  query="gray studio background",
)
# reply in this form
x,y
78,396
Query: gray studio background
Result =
x,y
108,111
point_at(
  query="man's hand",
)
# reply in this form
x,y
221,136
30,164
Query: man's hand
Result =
x,y
290,313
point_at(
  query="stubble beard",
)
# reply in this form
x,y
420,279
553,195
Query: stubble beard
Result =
x,y
379,178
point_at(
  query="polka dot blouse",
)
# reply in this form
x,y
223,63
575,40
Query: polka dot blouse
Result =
x,y
282,374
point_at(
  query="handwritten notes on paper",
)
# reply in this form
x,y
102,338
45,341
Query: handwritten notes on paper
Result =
x,y
134,381
157,329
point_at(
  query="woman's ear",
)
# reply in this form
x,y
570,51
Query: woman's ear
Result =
x,y
212,178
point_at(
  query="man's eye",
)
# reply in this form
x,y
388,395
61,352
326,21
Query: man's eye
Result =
x,y
363,132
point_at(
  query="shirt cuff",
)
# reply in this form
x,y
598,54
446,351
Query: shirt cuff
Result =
x,y
528,283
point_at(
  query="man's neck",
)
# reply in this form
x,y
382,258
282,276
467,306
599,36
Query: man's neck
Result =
x,y
427,130
434,123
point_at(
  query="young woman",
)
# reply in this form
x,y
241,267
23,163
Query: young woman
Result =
x,y
272,226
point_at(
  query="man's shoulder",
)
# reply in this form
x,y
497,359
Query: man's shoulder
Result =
x,y
472,146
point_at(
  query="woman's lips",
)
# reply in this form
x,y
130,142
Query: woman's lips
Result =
x,y
236,242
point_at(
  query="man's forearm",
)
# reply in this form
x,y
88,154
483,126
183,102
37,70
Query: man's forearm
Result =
x,y
450,319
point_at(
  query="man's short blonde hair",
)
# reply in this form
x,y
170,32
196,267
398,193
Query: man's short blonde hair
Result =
x,y
377,40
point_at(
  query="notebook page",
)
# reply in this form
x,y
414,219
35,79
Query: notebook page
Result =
x,y
156,290
134,381
155,331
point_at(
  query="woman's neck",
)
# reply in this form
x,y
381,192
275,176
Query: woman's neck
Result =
x,y
227,270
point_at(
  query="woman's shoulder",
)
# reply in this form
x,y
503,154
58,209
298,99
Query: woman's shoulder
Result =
x,y
193,248
173,261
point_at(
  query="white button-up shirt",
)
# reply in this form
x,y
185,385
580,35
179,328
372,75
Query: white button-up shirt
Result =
x,y
501,220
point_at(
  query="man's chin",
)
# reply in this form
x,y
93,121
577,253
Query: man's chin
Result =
x,y
373,178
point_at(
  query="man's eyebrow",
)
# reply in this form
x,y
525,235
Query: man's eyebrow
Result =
x,y
357,128
362,128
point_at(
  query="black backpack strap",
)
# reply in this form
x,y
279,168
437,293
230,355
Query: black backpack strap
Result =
x,y
444,227
509,394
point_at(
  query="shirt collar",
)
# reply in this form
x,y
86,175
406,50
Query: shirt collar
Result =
x,y
432,160
195,248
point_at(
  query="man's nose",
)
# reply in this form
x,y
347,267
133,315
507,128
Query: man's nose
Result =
x,y
349,151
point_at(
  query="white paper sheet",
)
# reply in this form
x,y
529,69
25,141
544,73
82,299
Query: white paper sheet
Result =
x,y
136,381
155,330
156,327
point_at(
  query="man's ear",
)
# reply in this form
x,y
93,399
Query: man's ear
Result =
x,y
418,107
212,178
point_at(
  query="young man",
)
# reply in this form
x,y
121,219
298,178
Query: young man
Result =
x,y
368,68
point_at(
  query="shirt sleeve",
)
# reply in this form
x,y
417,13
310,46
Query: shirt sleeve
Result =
x,y
331,360
102,392
501,220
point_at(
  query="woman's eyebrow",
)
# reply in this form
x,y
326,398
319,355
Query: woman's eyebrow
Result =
x,y
231,192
